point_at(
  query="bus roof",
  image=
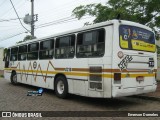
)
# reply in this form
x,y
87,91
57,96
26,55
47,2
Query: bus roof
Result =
x,y
97,25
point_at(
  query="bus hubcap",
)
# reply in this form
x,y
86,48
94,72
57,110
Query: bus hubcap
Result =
x,y
60,87
15,78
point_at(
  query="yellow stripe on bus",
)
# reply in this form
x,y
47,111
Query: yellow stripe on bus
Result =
x,y
111,75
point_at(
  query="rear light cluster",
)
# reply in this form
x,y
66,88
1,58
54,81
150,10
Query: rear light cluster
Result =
x,y
117,78
140,78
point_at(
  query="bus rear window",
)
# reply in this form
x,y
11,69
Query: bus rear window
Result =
x,y
135,38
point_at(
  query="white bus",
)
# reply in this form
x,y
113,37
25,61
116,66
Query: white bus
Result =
x,y
109,59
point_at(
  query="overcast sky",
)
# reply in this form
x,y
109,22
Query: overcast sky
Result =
x,y
48,11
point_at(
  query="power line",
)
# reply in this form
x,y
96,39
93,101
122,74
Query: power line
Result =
x,y
12,36
9,10
8,26
18,16
46,25
7,20
59,22
62,19
9,29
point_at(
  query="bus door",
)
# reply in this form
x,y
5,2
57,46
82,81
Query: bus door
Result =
x,y
94,41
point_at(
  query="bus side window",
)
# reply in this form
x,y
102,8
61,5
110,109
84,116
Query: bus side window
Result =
x,y
22,52
91,44
65,47
14,52
33,49
46,49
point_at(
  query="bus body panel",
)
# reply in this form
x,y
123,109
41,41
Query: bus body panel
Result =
x,y
93,76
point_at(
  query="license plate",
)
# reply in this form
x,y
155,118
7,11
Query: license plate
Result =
x,y
140,78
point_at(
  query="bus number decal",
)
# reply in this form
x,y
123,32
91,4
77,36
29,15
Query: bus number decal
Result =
x,y
68,69
123,63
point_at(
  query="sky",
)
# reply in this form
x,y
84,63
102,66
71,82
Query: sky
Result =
x,y
56,12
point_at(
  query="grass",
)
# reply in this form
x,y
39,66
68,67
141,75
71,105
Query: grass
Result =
x,y
1,76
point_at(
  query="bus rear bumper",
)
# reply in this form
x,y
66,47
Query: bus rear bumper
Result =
x,y
120,92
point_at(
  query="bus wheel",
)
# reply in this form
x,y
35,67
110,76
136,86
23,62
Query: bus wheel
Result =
x,y
14,78
61,87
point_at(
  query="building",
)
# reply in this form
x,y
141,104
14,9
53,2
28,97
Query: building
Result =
x,y
1,59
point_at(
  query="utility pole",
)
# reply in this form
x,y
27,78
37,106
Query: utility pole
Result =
x,y
32,19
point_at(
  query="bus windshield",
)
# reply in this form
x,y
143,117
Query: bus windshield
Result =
x,y
135,38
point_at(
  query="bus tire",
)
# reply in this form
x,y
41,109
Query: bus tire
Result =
x,y
61,87
14,78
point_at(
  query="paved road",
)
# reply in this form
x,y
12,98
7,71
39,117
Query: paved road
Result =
x,y
14,98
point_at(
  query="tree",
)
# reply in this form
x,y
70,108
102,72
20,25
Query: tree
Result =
x,y
145,12
158,50
26,38
5,51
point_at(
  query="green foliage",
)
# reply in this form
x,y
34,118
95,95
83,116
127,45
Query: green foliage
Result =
x,y
4,51
145,12
26,38
158,49
1,76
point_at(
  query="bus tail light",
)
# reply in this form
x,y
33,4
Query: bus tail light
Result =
x,y
117,78
140,78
